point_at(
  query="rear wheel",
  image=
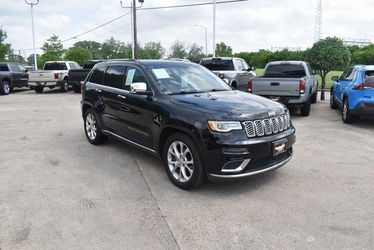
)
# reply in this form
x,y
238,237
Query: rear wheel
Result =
x,y
65,86
76,88
38,89
314,97
182,162
333,104
5,88
346,113
92,129
305,109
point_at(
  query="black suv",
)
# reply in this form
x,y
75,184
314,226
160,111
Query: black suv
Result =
x,y
188,117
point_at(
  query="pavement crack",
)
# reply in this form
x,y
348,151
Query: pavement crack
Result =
x,y
154,198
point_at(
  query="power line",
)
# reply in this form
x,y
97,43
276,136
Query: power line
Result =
x,y
149,8
191,5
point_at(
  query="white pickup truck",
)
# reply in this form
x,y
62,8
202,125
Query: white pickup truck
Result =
x,y
54,74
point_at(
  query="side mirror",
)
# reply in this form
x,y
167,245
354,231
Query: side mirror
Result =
x,y
139,88
335,78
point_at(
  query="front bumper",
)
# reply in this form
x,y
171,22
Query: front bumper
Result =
x,y
229,159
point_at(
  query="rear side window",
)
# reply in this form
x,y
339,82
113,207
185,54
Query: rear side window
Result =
x,y
4,67
114,76
55,66
74,66
98,75
238,65
285,71
369,73
218,64
14,67
89,65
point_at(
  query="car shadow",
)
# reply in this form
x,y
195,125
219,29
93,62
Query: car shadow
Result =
x,y
216,187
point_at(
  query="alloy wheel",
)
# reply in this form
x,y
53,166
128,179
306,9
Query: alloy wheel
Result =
x,y
6,88
180,161
91,127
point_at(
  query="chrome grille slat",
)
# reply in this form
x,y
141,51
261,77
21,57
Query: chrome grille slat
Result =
x,y
267,126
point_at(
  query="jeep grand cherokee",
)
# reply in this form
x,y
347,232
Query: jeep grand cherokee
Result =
x,y
188,117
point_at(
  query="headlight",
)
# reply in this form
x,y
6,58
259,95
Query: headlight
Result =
x,y
224,126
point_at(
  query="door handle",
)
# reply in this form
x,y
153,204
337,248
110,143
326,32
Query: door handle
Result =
x,y
98,90
121,96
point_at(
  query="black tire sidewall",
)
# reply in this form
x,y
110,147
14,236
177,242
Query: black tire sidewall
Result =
x,y
305,109
198,174
2,90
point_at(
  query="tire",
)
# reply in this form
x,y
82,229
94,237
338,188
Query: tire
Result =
x,y
234,85
92,128
313,98
305,109
333,104
38,89
76,88
346,113
5,88
65,86
179,172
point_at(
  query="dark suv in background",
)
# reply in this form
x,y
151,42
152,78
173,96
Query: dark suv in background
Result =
x,y
12,75
188,117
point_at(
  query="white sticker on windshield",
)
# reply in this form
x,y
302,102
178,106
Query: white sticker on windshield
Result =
x,y
161,73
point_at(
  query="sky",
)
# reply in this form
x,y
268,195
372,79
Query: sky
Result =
x,y
245,26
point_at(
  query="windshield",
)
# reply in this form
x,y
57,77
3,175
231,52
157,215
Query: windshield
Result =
x,y
186,78
218,64
285,71
55,66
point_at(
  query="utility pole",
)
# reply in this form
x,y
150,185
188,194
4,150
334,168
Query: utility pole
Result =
x,y
318,22
206,37
214,28
134,26
33,33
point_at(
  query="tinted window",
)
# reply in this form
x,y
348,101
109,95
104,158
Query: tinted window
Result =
x,y
114,76
133,75
74,66
3,67
285,71
14,67
98,75
238,65
369,73
89,65
55,66
346,74
218,64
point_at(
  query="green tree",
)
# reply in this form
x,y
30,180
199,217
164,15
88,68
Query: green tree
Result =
x,y
115,49
326,55
92,46
223,50
151,50
178,50
53,48
30,59
363,55
5,48
195,53
78,54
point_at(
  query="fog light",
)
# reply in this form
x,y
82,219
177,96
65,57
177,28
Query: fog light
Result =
x,y
235,151
235,166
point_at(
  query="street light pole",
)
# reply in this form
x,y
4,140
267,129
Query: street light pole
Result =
x,y
214,28
206,37
133,26
33,33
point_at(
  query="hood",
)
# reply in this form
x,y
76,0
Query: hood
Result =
x,y
225,105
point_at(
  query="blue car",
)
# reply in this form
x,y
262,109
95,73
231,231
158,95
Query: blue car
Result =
x,y
353,92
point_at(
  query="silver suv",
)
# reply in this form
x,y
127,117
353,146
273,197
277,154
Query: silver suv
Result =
x,y
234,71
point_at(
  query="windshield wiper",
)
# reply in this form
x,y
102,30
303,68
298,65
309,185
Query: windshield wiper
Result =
x,y
184,92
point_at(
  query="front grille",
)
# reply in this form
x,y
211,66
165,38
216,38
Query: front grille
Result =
x,y
269,126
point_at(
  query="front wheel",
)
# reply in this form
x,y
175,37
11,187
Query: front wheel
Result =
x,y
92,129
5,88
182,162
346,113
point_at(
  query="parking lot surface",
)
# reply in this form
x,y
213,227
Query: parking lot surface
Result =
x,y
59,192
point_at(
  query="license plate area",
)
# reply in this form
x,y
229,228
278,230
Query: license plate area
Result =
x,y
279,147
